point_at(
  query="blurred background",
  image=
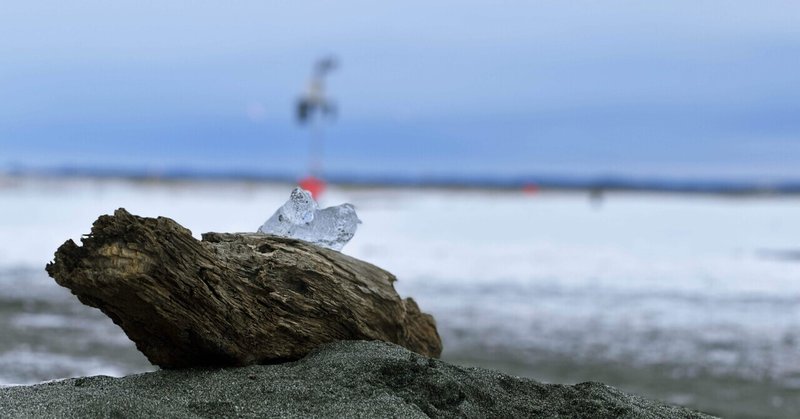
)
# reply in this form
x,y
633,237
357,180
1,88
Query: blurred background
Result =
x,y
577,191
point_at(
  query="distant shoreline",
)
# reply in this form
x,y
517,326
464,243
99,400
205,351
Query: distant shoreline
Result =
x,y
533,183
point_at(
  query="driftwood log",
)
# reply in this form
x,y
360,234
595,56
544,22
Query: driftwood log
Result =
x,y
233,299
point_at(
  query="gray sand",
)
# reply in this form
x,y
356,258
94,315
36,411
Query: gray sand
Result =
x,y
344,379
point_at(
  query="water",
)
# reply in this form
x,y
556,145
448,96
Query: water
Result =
x,y
667,296
48,335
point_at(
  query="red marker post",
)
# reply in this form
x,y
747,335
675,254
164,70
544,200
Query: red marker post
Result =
x,y
314,185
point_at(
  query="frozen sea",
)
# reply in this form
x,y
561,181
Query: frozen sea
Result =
x,y
690,299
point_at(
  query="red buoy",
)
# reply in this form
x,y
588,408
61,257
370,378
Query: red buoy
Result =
x,y
530,188
314,185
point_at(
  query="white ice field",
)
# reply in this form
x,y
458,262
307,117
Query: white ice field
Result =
x,y
638,280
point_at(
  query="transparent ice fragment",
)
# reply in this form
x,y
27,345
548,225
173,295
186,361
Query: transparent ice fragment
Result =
x,y
301,218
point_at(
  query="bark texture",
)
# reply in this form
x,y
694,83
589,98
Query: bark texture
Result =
x,y
233,299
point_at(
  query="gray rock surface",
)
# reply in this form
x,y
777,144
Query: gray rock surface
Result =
x,y
343,379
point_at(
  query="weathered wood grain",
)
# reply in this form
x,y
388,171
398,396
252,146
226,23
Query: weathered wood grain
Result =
x,y
233,299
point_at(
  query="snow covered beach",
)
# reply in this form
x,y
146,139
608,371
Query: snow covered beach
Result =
x,y
663,295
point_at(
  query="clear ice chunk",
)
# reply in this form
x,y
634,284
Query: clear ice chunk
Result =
x,y
301,218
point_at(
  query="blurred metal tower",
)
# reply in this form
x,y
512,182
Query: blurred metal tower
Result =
x,y
311,107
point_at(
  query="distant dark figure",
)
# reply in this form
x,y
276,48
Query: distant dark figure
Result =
x,y
314,100
596,197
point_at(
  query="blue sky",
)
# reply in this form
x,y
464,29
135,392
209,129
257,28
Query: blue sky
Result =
x,y
685,89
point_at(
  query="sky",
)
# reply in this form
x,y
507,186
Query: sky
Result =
x,y
679,89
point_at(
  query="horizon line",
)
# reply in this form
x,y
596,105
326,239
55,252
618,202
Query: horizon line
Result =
x,y
531,182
